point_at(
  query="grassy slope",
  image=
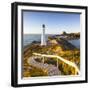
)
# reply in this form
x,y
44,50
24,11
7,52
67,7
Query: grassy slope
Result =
x,y
62,49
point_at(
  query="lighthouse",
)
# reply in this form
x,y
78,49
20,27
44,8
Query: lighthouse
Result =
x,y
43,41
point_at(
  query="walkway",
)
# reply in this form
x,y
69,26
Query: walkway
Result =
x,y
48,68
62,59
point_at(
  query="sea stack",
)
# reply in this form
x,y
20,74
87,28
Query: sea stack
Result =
x,y
43,41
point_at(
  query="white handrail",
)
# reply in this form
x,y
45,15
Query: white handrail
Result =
x,y
60,58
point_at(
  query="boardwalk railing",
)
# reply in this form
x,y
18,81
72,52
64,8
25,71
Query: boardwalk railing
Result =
x,y
62,59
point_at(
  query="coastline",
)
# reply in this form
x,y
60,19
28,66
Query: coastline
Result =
x,y
55,46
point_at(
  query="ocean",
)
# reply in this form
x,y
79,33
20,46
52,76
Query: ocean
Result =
x,y
29,38
75,42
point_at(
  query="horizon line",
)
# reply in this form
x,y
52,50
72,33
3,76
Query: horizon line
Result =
x,y
51,33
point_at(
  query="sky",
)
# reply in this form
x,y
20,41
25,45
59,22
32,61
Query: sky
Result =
x,y
55,23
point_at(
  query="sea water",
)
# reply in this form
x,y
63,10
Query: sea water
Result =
x,y
75,42
29,38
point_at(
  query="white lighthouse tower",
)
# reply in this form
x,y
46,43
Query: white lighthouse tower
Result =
x,y
43,41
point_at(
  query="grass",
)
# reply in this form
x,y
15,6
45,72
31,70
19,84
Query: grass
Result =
x,y
72,55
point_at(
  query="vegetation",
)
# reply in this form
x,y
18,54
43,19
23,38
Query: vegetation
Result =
x,y
71,35
61,48
64,33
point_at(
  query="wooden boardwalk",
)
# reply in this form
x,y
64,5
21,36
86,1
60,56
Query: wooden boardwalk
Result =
x,y
62,59
50,69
